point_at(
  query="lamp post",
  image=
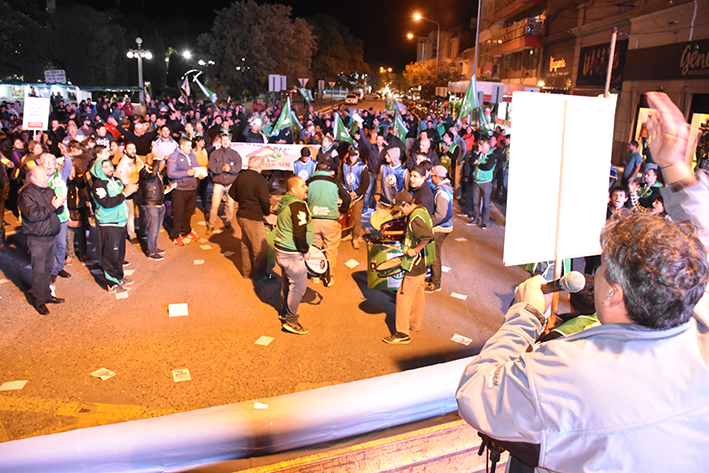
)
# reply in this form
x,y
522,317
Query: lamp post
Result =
x,y
418,17
139,54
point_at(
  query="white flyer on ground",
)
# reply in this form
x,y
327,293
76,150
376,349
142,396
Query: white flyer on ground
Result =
x,y
264,340
462,297
203,240
445,269
103,374
181,375
121,295
128,272
260,405
199,261
3,281
461,239
178,310
353,263
228,253
461,339
206,247
13,385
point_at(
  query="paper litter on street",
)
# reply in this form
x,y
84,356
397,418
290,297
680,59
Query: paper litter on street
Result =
x,y
178,310
461,339
445,269
181,375
96,271
206,247
103,374
199,261
260,405
128,272
13,385
461,239
3,281
228,253
203,240
264,340
121,295
462,297
353,263
204,224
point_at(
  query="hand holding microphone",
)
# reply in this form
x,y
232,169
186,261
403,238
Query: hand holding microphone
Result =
x,y
573,281
537,291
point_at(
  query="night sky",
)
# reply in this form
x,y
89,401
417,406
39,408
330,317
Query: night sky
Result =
x,y
381,25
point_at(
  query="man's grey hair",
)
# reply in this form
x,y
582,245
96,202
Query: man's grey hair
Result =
x,y
255,162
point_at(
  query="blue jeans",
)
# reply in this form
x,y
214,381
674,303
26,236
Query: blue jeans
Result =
x,y
60,251
372,187
295,283
154,215
217,192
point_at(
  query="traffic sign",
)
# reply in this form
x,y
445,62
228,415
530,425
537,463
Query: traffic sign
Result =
x,y
303,81
321,84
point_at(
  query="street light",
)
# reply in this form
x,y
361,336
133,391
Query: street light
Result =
x,y
139,54
418,17
186,54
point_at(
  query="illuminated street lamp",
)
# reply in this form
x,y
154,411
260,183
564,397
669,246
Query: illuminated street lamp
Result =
x,y
418,17
139,54
186,54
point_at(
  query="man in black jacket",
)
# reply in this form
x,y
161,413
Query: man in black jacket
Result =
x,y
40,224
250,191
152,195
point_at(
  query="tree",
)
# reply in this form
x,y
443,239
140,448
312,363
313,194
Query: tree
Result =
x,y
428,77
248,42
86,44
339,56
22,44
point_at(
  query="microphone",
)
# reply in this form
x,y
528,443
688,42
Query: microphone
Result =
x,y
573,281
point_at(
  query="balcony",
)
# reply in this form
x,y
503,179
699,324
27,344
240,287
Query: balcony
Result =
x,y
504,9
525,34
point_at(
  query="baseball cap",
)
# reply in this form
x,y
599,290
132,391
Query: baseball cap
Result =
x,y
402,197
439,171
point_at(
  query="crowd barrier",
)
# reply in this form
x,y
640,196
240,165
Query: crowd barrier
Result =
x,y
188,440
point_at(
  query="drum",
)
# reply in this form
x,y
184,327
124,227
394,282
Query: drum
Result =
x,y
347,219
389,267
384,268
393,230
378,217
315,262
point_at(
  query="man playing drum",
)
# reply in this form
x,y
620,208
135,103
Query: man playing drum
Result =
x,y
419,252
356,179
294,235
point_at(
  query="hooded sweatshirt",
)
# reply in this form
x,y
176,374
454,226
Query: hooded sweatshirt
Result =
x,y
111,206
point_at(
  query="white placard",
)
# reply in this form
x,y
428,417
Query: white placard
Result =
x,y
178,310
55,76
558,173
35,114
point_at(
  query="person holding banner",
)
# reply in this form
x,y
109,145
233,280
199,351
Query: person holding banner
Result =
x,y
623,395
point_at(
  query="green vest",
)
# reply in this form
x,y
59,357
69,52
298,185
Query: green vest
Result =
x,y
446,157
284,223
59,187
578,324
410,241
322,196
480,177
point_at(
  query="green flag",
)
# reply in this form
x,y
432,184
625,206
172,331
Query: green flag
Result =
x,y
468,104
210,95
296,123
340,131
400,130
389,104
306,93
285,120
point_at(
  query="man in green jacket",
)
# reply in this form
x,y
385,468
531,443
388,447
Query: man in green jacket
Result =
x,y
294,236
111,214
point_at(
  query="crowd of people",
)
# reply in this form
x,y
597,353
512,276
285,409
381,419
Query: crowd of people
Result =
x,y
121,177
